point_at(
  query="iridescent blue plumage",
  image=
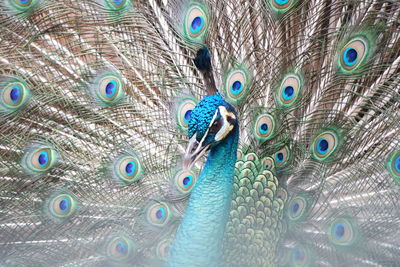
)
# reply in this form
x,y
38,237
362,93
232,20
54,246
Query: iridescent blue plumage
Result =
x,y
200,235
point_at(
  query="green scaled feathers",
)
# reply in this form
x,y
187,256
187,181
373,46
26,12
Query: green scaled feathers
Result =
x,y
255,223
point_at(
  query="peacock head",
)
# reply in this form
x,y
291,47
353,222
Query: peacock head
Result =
x,y
211,121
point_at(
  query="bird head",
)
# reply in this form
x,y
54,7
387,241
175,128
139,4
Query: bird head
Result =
x,y
210,122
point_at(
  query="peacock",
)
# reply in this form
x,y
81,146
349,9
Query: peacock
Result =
x,y
199,133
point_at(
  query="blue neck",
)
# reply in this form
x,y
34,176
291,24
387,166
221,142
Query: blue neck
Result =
x,y
199,238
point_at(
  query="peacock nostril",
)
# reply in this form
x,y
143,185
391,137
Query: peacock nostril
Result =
x,y
194,148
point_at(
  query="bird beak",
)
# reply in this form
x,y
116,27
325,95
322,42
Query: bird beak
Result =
x,y
194,151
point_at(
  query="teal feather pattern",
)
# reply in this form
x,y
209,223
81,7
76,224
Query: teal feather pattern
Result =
x,y
108,109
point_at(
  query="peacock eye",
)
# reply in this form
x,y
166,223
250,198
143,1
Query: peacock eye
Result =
x,y
216,126
185,181
158,214
289,90
127,169
324,145
341,232
196,22
62,206
353,53
39,159
14,95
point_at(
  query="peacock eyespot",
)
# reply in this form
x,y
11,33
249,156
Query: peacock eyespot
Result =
x,y
187,115
128,169
237,87
324,145
237,84
300,256
268,163
110,89
350,56
118,3
184,113
23,3
14,96
163,249
279,157
353,54
40,159
185,181
62,205
196,22
281,4
282,157
158,214
289,90
197,25
120,248
341,232
393,165
297,208
264,127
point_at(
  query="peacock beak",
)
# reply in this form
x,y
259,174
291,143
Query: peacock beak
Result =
x,y
194,151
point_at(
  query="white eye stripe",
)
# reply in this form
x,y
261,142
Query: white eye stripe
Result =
x,y
226,126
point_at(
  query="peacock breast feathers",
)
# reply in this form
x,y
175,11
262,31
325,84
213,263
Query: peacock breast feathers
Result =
x,y
256,217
